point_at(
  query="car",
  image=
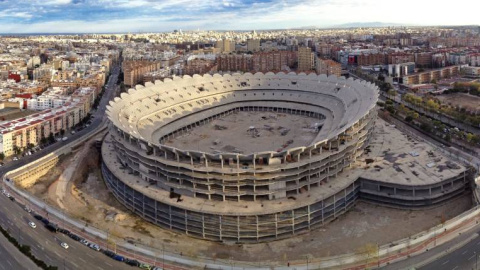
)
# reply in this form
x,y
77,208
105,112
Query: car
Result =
x,y
83,241
132,262
45,221
75,237
118,258
145,266
157,268
32,224
64,245
64,231
11,198
15,158
109,253
27,209
94,246
38,217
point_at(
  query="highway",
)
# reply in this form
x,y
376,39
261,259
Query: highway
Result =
x,y
12,258
44,244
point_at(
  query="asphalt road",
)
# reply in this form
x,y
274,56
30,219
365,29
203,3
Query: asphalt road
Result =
x,y
467,257
12,258
98,118
45,245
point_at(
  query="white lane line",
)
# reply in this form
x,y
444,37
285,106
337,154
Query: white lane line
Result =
x,y
82,260
100,268
455,267
463,253
445,262
2,266
56,253
90,255
108,264
473,256
76,265
9,263
50,259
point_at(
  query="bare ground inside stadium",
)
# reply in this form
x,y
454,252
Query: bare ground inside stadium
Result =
x,y
249,132
89,200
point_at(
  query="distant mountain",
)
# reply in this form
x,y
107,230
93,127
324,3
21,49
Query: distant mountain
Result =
x,y
365,24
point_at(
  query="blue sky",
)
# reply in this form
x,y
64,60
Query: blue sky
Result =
x,y
74,16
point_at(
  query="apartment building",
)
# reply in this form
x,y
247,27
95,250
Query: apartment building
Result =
x,y
328,67
253,45
305,59
429,76
234,62
133,70
19,133
273,61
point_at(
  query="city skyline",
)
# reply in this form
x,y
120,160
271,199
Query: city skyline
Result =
x,y
114,16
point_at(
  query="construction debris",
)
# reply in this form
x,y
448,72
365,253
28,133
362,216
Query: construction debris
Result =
x,y
219,127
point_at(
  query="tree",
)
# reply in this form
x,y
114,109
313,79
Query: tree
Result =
x,y
409,118
62,132
16,150
43,140
30,146
51,138
2,156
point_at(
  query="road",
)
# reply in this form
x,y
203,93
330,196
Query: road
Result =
x,y
466,257
45,245
98,118
12,258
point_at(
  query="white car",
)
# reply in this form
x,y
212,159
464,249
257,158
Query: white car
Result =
x,y
32,224
64,245
15,158
94,246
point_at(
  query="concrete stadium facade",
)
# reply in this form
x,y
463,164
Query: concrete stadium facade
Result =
x,y
251,197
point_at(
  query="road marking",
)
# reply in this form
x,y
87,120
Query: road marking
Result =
x,y
56,253
82,260
445,262
108,264
473,256
464,252
9,263
50,259
100,268
455,267
76,265
2,266
90,255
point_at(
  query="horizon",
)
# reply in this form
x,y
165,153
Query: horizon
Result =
x,y
151,16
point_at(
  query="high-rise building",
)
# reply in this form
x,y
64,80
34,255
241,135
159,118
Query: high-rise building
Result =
x,y
253,45
273,61
225,45
305,59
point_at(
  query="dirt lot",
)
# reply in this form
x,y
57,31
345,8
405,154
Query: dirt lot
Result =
x,y
89,200
469,102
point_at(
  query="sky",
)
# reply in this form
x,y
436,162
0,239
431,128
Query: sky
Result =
x,y
120,16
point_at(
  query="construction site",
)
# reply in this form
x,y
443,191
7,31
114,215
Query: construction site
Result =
x,y
84,195
249,132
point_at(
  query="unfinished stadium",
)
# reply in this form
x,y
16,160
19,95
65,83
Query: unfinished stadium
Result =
x,y
251,157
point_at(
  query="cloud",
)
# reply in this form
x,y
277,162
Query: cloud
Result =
x,y
166,15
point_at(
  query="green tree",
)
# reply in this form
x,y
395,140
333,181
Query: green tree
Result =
x,y
2,156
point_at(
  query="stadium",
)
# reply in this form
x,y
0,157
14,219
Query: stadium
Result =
x,y
248,157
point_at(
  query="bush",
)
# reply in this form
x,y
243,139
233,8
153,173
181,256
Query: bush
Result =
x,y
389,102
381,104
409,118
